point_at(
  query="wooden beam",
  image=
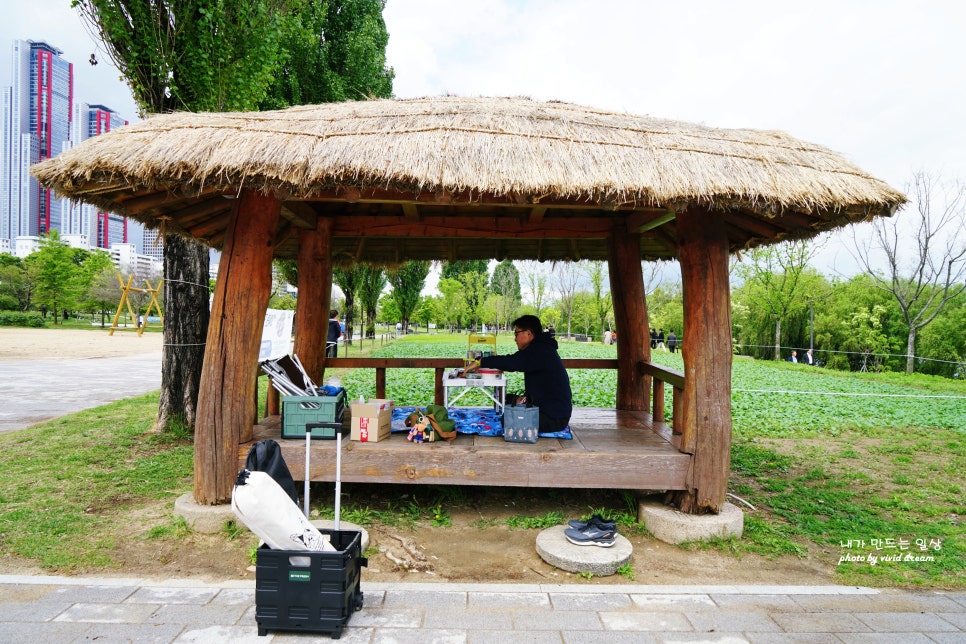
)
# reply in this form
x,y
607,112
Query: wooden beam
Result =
x,y
468,197
226,399
312,305
410,211
536,214
757,227
139,204
187,217
641,222
630,316
574,251
300,213
706,348
475,227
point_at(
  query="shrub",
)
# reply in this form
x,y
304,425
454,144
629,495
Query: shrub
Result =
x,y
17,318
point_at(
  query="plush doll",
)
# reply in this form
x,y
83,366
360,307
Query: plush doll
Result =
x,y
429,425
418,424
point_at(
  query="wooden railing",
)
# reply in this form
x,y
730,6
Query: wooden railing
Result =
x,y
655,374
660,375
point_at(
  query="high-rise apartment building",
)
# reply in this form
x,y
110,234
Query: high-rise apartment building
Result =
x,y
40,121
36,126
103,229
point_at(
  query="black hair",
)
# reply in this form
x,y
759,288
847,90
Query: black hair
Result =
x,y
529,323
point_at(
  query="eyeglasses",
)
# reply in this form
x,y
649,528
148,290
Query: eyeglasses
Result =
x,y
518,332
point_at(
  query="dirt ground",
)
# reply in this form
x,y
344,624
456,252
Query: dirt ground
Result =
x,y
478,546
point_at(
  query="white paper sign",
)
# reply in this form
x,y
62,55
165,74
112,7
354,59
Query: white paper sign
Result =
x,y
276,334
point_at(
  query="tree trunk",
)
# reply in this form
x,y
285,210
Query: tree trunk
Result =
x,y
778,339
185,330
630,318
707,351
315,292
911,350
226,400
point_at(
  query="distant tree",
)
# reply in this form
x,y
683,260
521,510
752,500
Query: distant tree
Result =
x,y
866,337
534,278
453,301
348,280
453,270
407,282
18,280
98,285
601,299
56,283
567,276
371,283
474,276
945,340
774,274
505,283
934,272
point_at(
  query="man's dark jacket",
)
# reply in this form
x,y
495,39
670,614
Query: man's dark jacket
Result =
x,y
544,376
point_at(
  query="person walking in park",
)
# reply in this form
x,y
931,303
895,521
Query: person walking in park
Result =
x,y
335,332
672,341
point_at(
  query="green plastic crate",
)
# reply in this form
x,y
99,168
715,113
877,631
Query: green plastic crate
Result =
x,y
299,410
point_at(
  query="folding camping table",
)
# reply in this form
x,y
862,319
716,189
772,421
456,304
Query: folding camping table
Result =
x,y
491,384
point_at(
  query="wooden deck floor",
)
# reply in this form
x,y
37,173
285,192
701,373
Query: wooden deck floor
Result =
x,y
610,449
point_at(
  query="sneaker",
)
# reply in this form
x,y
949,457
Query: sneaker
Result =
x,y
595,520
591,536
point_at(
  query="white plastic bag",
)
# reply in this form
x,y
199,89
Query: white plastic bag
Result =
x,y
262,505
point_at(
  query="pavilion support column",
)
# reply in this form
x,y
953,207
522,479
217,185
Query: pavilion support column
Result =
x,y
630,317
314,300
226,400
706,349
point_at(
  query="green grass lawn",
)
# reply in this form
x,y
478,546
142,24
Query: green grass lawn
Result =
x,y
836,467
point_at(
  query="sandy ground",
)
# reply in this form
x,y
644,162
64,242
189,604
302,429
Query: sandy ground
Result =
x,y
38,344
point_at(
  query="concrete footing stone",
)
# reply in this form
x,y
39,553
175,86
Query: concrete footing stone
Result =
x,y
202,518
553,547
673,526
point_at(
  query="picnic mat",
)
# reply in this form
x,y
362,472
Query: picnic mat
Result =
x,y
483,421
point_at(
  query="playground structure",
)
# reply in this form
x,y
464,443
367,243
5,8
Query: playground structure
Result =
x,y
141,322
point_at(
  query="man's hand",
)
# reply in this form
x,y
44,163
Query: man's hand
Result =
x,y
471,367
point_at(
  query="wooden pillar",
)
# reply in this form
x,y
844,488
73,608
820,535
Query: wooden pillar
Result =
x,y
706,349
314,299
226,399
630,317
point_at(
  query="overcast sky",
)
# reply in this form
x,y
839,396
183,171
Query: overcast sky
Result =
x,y
881,82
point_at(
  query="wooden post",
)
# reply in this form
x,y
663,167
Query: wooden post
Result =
x,y
706,348
226,400
630,317
314,300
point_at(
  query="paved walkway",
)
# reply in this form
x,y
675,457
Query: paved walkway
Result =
x,y
68,609
38,390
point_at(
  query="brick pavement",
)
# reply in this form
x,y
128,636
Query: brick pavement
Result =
x,y
77,609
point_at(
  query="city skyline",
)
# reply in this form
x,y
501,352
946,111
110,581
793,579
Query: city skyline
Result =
x,y
40,118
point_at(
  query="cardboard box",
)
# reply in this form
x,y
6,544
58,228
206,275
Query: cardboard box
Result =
x,y
371,421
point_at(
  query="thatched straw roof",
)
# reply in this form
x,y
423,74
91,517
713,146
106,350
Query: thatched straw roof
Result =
x,y
542,180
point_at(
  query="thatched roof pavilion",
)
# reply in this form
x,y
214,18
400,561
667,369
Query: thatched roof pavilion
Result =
x,y
453,178
511,162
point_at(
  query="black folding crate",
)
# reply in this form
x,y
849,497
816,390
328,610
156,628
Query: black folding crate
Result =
x,y
313,592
